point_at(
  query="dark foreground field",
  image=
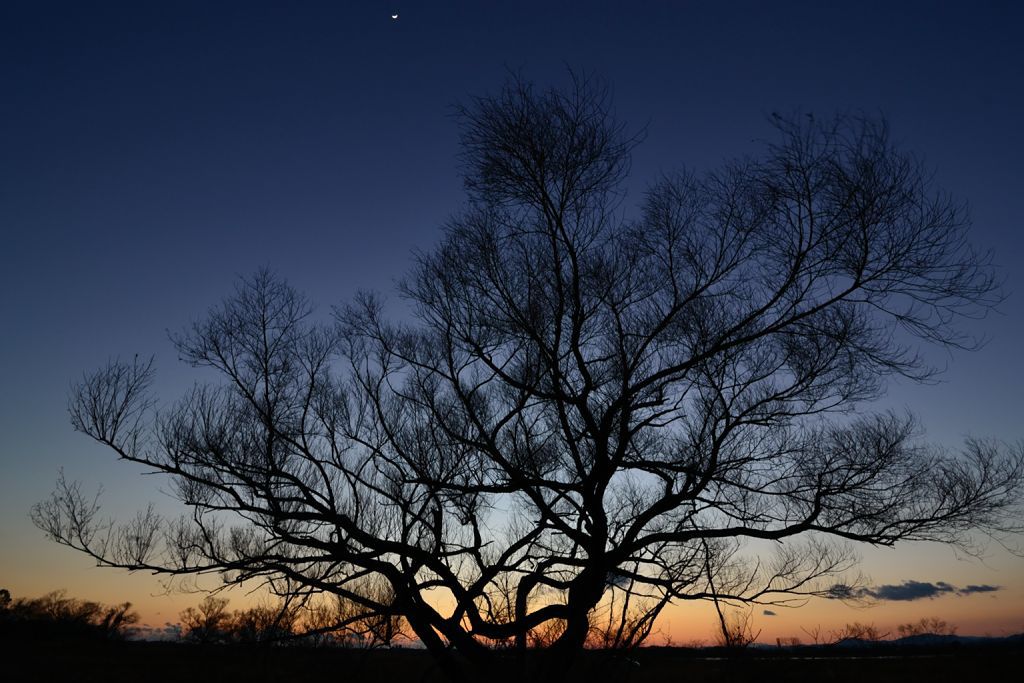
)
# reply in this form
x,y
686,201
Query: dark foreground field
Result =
x,y
106,662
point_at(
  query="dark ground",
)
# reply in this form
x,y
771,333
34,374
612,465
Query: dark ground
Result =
x,y
113,662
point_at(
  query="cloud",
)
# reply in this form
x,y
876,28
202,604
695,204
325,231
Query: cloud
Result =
x,y
841,591
768,613
910,590
906,591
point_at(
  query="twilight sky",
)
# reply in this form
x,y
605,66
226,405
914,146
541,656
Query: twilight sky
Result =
x,y
152,152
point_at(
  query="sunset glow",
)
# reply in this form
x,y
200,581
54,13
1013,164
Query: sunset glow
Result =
x,y
152,154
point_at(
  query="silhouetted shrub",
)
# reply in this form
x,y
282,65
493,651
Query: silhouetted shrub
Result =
x,y
55,615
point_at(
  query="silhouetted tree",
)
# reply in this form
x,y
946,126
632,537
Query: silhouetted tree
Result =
x,y
208,623
736,629
348,623
858,631
927,626
265,624
590,409
817,634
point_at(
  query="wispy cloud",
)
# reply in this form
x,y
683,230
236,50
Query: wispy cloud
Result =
x,y
908,590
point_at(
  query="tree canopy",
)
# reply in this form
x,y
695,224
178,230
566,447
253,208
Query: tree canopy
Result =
x,y
591,409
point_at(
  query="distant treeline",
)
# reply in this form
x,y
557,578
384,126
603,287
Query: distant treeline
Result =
x,y
335,623
55,615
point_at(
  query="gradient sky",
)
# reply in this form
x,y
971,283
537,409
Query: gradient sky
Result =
x,y
151,152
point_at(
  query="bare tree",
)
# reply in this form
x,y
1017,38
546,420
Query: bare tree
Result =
x,y
927,626
858,632
736,629
208,623
348,623
265,624
591,410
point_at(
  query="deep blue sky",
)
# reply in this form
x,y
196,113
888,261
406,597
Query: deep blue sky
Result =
x,y
151,152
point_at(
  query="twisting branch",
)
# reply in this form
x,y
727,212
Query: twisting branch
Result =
x,y
587,416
